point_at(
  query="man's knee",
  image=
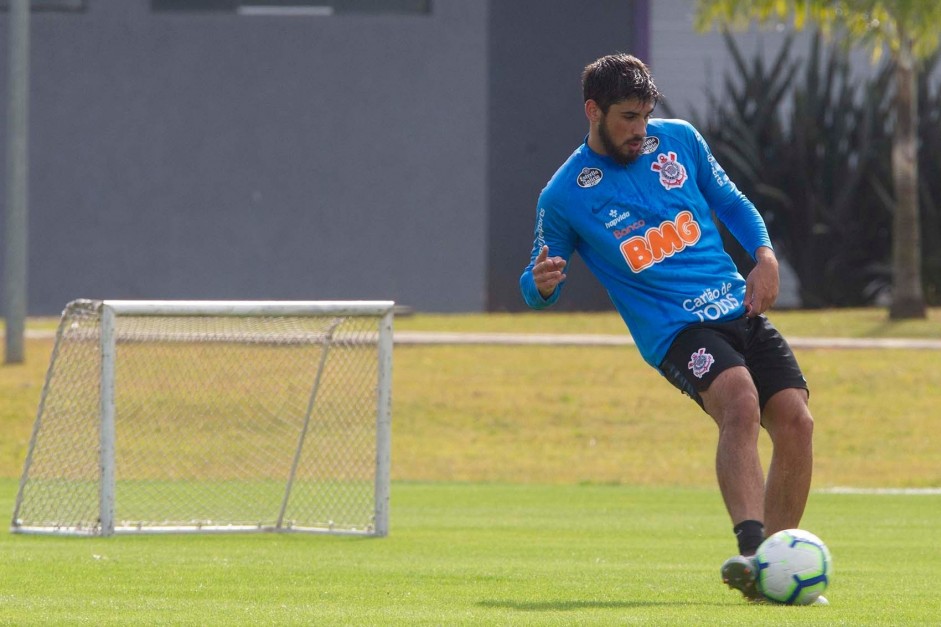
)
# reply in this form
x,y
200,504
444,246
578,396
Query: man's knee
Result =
x,y
732,398
788,411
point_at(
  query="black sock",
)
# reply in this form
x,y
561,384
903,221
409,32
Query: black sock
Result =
x,y
750,534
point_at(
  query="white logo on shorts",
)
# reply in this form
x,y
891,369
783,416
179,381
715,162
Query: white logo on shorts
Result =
x,y
700,362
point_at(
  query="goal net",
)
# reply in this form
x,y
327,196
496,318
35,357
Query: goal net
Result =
x,y
213,416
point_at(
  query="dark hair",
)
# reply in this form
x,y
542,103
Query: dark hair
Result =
x,y
618,77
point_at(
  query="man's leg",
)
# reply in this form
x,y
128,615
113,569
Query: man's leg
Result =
x,y
732,401
790,425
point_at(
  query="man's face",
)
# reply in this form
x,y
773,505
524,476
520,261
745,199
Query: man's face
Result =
x,y
623,128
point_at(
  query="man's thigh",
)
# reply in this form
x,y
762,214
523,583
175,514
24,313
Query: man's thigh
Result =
x,y
699,355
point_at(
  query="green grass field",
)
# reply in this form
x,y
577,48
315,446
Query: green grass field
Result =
x,y
535,485
481,554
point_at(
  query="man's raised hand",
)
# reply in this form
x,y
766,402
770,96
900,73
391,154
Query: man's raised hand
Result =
x,y
548,272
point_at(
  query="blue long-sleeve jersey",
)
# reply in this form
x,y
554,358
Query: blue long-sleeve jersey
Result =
x,y
645,230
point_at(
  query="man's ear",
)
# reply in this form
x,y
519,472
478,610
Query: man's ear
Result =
x,y
593,111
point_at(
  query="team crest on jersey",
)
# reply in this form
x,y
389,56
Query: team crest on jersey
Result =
x,y
672,172
700,362
651,143
589,177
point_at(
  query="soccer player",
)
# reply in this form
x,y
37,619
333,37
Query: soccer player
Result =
x,y
636,201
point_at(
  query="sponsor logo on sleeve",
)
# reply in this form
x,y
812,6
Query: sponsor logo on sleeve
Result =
x,y
589,177
540,234
722,179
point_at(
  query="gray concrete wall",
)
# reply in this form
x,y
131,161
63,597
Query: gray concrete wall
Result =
x,y
538,49
223,156
212,155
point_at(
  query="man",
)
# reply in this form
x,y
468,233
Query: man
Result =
x,y
635,200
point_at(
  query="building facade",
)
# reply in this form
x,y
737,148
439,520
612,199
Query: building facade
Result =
x,y
315,149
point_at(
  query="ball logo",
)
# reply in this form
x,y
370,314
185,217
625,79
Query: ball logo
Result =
x,y
672,172
700,362
589,177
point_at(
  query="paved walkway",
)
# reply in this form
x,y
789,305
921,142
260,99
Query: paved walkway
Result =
x,y
587,339
581,339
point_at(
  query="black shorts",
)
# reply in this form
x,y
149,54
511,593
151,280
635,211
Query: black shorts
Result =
x,y
701,351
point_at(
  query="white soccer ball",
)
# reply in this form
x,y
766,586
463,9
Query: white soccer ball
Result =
x,y
794,567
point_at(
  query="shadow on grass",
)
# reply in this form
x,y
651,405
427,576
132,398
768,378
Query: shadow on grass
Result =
x,y
562,606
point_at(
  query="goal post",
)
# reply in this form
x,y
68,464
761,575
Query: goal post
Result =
x,y
213,416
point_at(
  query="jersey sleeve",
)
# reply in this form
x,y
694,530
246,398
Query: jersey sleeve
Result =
x,y
551,230
731,206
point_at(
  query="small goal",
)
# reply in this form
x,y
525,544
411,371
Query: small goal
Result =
x,y
213,416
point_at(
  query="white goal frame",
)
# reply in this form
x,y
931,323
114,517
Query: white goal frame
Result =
x,y
111,310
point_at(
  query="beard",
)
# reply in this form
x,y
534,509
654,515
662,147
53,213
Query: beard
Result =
x,y
621,154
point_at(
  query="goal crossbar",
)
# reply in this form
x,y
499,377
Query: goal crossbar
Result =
x,y
248,307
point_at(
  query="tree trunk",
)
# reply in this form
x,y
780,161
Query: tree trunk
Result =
x,y
908,300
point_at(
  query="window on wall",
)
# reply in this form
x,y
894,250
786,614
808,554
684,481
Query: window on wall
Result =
x,y
49,5
293,7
